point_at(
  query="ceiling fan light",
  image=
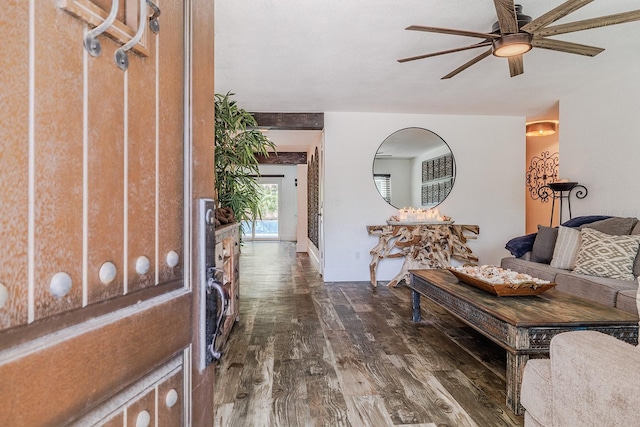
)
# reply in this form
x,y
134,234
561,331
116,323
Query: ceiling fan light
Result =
x,y
543,128
512,45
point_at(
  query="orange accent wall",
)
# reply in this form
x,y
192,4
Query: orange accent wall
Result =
x,y
537,211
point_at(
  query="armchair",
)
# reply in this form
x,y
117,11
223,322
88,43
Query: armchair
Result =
x,y
591,379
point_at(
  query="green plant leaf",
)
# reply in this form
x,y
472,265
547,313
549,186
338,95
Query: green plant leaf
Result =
x,y
236,145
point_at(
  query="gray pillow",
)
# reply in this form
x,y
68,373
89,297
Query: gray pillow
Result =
x,y
615,226
544,244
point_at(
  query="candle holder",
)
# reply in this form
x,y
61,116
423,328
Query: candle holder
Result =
x,y
562,191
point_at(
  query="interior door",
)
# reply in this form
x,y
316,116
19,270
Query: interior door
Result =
x,y
98,306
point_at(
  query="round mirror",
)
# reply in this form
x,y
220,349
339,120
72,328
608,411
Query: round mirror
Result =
x,y
414,167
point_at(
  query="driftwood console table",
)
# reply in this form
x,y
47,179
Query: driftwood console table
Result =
x,y
421,245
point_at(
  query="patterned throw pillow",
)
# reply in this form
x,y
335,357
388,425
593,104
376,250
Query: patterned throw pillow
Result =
x,y
604,255
566,249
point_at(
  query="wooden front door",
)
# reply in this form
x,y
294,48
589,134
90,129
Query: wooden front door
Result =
x,y
97,301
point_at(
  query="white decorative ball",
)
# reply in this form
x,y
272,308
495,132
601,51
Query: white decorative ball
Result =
x,y
142,265
60,284
108,272
172,259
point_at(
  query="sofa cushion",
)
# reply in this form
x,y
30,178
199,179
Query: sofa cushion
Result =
x,y
544,244
598,289
529,421
535,269
604,255
520,245
537,396
636,263
616,225
595,380
566,249
626,300
638,298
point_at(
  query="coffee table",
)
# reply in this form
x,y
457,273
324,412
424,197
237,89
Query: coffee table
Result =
x,y
522,325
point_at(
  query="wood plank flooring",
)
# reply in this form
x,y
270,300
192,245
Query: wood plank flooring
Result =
x,y
308,353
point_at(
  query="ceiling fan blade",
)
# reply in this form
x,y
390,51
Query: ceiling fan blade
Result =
x,y
467,64
567,47
443,52
452,31
506,11
554,14
516,65
603,21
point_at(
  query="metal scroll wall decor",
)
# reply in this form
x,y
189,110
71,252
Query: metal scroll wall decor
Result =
x,y
313,199
542,170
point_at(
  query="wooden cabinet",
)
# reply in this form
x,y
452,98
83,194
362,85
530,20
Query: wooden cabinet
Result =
x,y
228,261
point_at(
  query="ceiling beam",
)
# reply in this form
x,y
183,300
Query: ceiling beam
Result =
x,y
286,158
290,121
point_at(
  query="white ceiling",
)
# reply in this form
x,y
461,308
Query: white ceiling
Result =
x,y
341,55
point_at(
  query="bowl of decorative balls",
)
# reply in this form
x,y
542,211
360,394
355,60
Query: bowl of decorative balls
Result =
x,y
500,281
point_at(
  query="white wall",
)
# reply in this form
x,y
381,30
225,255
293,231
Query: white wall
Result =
x,y
600,145
489,153
288,199
302,238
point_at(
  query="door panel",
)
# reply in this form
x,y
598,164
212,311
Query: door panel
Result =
x,y
105,192
142,409
92,171
54,380
141,164
58,160
170,412
14,162
170,155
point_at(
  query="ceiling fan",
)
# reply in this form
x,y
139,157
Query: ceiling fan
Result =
x,y
514,34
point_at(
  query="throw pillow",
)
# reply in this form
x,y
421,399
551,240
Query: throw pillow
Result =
x,y
616,226
518,246
604,255
566,249
580,220
544,244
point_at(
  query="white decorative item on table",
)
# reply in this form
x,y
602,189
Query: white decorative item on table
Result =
x,y
417,216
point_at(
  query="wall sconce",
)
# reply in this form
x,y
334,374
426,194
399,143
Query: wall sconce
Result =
x,y
542,128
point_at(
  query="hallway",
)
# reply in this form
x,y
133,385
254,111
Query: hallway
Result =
x,y
306,353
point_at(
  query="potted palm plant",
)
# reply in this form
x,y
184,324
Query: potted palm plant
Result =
x,y
237,143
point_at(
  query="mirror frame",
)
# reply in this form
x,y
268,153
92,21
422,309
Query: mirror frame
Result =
x,y
438,173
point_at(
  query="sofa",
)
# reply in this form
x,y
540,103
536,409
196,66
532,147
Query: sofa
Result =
x,y
590,379
593,257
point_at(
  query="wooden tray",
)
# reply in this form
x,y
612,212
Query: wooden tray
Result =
x,y
503,289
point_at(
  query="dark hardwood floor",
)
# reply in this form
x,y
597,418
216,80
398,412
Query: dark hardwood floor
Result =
x,y
308,353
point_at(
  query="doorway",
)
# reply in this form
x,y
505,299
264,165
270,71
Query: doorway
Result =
x,y
266,227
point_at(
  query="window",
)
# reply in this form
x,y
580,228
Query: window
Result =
x,y
383,182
